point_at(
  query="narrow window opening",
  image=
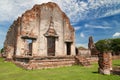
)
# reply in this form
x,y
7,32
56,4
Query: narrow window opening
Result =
x,y
28,47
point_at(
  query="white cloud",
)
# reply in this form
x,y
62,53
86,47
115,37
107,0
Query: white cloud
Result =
x,y
11,9
111,13
82,35
2,33
81,10
117,34
98,26
75,9
83,45
77,28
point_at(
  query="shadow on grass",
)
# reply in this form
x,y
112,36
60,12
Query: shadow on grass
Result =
x,y
117,64
95,72
112,72
116,70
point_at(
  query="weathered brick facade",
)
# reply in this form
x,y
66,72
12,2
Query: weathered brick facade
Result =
x,y
42,31
42,38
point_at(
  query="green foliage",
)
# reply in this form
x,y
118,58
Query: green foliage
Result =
x,y
115,45
108,45
82,48
103,45
9,71
2,50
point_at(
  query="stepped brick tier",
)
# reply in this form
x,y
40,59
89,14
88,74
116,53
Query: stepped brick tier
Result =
x,y
105,63
39,37
44,62
31,63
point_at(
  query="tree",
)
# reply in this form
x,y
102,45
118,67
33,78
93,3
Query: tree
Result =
x,y
81,48
103,45
106,45
115,45
2,50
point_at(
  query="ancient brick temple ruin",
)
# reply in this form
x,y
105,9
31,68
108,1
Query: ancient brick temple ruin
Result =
x,y
91,46
41,33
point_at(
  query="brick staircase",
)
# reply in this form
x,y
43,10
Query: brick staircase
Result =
x,y
80,60
92,59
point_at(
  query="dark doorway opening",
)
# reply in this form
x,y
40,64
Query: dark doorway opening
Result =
x,y
68,44
28,47
51,46
76,49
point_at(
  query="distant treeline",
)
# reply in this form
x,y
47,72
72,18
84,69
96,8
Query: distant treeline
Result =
x,y
1,50
109,45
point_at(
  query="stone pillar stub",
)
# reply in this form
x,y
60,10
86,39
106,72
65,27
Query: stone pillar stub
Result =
x,y
105,63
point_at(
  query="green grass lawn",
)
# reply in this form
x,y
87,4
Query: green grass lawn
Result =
x,y
9,71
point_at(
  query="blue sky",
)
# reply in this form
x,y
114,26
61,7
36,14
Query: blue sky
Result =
x,y
97,18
